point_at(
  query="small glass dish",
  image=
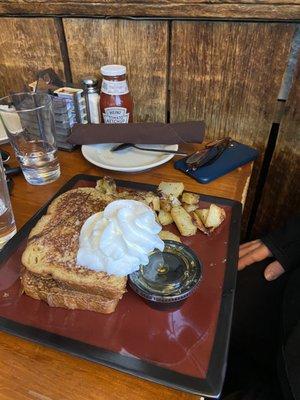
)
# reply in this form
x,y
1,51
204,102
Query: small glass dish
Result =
x,y
169,278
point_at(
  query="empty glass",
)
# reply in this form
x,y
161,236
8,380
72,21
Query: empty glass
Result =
x,y
7,220
29,124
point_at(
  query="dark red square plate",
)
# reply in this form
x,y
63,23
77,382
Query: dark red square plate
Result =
x,y
184,348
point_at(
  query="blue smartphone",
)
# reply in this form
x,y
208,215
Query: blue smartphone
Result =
x,y
236,155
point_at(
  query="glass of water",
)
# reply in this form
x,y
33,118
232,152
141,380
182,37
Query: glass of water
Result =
x,y
29,123
7,220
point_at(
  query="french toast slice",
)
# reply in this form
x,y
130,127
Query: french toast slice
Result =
x,y
54,241
48,290
53,244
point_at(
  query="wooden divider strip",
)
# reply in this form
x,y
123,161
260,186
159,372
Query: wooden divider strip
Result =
x,y
229,9
281,194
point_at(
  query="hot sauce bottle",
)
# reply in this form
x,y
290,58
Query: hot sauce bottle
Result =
x,y
116,105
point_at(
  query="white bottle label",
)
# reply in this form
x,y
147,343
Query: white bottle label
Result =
x,y
114,87
115,115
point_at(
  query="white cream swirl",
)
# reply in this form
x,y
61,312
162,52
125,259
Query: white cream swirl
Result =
x,y
119,239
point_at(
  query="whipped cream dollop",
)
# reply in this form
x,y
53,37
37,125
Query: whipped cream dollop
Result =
x,y
119,239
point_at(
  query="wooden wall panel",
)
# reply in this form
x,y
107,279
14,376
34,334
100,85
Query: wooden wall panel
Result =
x,y
281,194
140,45
27,45
229,75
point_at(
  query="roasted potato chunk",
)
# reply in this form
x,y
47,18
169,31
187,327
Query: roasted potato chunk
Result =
x,y
183,221
164,218
190,198
190,207
202,214
152,200
165,205
215,217
174,200
166,235
198,222
106,185
171,188
155,203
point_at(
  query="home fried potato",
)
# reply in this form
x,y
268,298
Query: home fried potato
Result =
x,y
190,207
165,205
166,235
215,217
171,188
106,185
198,222
174,200
165,218
152,200
190,198
183,221
202,213
155,203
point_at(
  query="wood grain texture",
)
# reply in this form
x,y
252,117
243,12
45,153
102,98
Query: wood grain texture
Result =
x,y
229,75
27,45
281,194
34,372
217,9
140,45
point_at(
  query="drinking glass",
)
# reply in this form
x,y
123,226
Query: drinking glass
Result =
x,y
7,220
29,123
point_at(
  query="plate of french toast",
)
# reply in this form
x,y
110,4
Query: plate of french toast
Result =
x,y
120,228
143,276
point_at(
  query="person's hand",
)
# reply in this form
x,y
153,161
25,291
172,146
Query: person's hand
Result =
x,y
255,251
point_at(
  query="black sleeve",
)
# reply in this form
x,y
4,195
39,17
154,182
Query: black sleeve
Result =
x,y
284,244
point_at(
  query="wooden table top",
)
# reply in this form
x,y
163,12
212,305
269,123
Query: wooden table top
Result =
x,y
31,371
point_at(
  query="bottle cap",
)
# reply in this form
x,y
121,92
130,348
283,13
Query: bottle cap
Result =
x,y
90,81
113,70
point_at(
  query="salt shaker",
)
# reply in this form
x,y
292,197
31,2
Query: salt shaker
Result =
x,y
91,94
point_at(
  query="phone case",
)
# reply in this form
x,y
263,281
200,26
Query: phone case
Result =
x,y
233,157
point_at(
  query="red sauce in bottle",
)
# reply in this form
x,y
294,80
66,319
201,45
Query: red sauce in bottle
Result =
x,y
116,105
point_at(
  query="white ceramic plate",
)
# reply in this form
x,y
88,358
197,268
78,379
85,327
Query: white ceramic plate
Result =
x,y
128,160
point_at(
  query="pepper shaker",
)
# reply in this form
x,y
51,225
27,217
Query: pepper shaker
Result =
x,y
91,94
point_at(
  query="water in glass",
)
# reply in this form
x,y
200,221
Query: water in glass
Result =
x,y
7,223
39,162
30,126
